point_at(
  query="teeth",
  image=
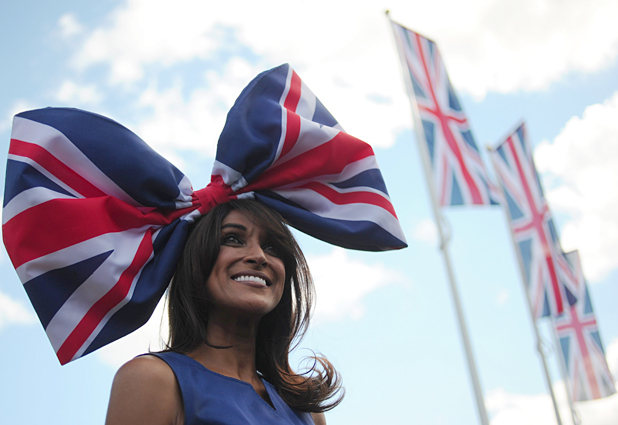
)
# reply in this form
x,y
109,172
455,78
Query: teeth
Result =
x,y
250,278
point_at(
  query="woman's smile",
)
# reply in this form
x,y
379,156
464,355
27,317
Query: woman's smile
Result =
x,y
252,279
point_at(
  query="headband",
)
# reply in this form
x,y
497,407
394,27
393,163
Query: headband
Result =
x,y
94,220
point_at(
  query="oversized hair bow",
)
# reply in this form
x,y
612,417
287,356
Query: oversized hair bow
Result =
x,y
94,220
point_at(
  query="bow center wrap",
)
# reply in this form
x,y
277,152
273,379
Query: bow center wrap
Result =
x,y
211,196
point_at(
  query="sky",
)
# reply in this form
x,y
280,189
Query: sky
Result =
x,y
386,320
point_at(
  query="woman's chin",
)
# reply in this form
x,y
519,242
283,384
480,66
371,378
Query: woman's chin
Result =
x,y
250,309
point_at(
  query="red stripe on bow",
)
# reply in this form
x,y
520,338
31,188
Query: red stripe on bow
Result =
x,y
71,221
343,198
55,167
326,159
105,304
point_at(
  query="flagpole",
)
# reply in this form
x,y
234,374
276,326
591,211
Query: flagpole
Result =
x,y
444,241
522,271
565,375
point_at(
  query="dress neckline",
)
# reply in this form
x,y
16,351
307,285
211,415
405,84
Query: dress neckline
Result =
x,y
270,390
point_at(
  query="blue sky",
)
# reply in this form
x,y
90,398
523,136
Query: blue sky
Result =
x,y
386,320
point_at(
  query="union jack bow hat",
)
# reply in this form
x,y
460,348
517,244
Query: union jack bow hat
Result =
x,y
94,220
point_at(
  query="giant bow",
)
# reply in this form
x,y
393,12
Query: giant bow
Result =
x,y
94,220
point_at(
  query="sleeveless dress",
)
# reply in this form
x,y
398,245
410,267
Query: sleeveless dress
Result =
x,y
212,398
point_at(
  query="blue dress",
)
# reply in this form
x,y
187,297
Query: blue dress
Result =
x,y
212,398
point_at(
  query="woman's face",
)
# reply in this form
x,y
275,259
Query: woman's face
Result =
x,y
248,276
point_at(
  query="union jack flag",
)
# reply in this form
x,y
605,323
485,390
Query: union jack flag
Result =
x,y
550,281
581,346
94,220
457,169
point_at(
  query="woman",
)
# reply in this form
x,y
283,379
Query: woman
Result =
x,y
240,297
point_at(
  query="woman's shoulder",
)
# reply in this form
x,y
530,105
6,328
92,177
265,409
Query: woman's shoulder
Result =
x,y
146,370
318,418
144,391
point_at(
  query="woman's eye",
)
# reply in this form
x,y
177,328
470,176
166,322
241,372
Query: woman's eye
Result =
x,y
271,249
230,239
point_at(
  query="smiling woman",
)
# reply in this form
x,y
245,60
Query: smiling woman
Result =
x,y
240,298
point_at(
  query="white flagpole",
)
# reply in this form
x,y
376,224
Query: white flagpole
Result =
x,y
565,375
522,270
444,241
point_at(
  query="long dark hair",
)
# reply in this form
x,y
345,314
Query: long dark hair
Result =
x,y
316,390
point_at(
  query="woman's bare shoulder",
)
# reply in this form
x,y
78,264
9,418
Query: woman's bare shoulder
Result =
x,y
146,370
144,391
318,418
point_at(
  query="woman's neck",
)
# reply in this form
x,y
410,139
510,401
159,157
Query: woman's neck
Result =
x,y
230,348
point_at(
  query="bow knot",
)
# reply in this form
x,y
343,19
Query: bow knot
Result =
x,y
211,196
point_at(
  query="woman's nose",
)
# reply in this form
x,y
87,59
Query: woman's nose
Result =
x,y
255,255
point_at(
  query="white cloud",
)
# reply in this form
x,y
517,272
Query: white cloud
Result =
x,y
426,231
194,123
342,283
351,64
510,409
17,107
347,76
143,32
537,409
581,166
69,25
489,45
611,354
14,312
503,296
508,46
599,412
78,95
149,337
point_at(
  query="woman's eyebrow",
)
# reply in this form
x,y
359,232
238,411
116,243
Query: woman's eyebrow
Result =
x,y
234,225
